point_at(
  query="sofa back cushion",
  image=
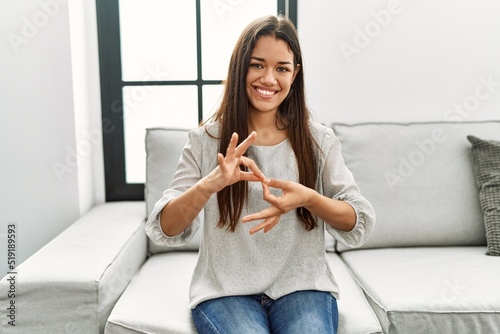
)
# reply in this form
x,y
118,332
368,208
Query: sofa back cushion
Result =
x,y
163,150
419,178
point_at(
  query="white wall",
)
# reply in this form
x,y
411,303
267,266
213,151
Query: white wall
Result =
x,y
37,125
87,102
425,61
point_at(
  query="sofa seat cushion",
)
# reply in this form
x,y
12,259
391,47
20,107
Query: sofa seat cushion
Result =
x,y
156,301
430,289
355,313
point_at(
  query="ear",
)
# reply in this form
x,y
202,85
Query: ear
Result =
x,y
297,69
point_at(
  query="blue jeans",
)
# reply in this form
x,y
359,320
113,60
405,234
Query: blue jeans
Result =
x,y
299,312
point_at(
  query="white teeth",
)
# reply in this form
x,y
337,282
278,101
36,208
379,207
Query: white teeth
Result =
x,y
265,92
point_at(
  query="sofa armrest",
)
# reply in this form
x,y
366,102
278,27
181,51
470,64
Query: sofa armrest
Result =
x,y
73,282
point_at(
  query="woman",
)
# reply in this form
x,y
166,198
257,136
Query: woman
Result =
x,y
267,198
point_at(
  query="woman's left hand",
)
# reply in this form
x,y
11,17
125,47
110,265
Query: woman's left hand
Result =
x,y
294,195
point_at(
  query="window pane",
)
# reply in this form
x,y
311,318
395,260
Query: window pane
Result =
x,y
212,97
153,106
221,24
158,40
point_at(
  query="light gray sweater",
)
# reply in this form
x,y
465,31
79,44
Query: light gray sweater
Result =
x,y
287,258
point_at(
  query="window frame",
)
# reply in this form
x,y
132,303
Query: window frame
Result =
x,y
108,30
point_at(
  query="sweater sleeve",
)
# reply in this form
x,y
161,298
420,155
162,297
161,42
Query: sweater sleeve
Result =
x,y
338,183
187,174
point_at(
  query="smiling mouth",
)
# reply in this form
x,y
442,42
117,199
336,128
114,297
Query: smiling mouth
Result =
x,y
265,92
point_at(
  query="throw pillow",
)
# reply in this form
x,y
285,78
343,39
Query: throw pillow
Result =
x,y
486,161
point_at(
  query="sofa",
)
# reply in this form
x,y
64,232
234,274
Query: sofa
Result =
x,y
430,265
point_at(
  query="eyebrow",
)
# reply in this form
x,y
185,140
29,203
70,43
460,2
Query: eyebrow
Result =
x,y
263,60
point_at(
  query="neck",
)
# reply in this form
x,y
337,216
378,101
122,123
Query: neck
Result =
x,y
269,131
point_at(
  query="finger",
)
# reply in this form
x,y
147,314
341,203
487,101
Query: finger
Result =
x,y
249,176
277,183
268,196
266,224
244,145
273,224
247,162
264,214
220,160
232,144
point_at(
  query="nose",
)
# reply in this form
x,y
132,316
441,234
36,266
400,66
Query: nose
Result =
x,y
268,78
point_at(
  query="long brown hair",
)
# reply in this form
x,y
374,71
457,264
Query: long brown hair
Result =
x,y
293,113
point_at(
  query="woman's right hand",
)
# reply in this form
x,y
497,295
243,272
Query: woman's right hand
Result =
x,y
228,171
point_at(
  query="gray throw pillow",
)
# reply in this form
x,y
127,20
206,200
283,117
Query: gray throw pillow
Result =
x,y
486,161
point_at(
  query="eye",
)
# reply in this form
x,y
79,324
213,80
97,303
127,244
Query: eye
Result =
x,y
283,69
256,65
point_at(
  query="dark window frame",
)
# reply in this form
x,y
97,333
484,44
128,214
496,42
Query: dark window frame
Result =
x,y
108,28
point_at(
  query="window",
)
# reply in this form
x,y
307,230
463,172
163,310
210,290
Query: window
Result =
x,y
161,65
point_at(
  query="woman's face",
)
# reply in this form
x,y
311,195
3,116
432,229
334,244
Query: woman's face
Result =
x,y
270,74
